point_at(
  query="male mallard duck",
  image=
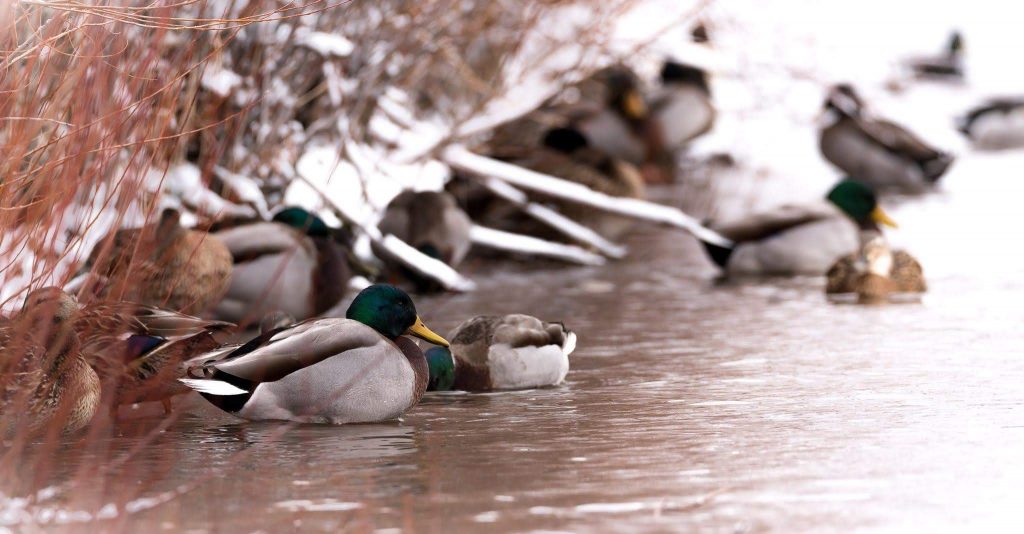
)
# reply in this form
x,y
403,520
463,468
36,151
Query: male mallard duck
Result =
x,y
353,370
139,351
431,222
45,379
875,272
493,352
293,263
799,239
682,107
163,264
878,152
998,124
948,65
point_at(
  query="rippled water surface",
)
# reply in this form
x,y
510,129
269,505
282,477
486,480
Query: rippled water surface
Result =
x,y
691,404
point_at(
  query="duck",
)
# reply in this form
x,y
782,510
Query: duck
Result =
x,y
878,152
47,382
682,107
995,125
947,65
139,351
294,263
797,239
162,264
501,352
432,223
356,369
875,272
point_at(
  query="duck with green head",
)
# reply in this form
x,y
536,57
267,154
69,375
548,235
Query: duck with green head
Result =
x,y
799,238
295,263
501,352
45,380
354,370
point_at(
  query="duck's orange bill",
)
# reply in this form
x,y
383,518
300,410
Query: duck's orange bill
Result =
x,y
421,331
634,105
881,217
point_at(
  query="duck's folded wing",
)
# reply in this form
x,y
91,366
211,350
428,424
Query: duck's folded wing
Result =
x,y
251,241
274,355
761,225
898,139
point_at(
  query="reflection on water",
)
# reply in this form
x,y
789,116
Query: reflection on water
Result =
x,y
691,404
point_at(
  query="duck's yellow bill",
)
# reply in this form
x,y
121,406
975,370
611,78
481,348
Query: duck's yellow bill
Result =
x,y
421,331
633,105
881,217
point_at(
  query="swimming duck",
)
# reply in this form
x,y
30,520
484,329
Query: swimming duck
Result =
x,y
878,152
948,65
352,370
46,381
875,272
293,263
502,352
431,222
997,124
162,264
139,351
799,238
682,107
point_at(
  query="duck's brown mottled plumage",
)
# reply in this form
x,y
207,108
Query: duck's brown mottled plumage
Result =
x,y
907,275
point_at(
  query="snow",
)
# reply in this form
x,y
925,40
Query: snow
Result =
x,y
518,243
325,44
220,81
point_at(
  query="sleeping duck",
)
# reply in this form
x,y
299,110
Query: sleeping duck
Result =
x,y
431,222
501,352
799,238
162,264
875,151
354,370
44,380
947,65
995,125
875,272
293,263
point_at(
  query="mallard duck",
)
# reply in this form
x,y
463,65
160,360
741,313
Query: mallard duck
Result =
x,y
799,238
948,65
502,352
293,263
139,351
875,272
352,370
682,107
997,124
162,264
431,222
46,381
878,152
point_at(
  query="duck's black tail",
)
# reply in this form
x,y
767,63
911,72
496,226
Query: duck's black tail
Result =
x,y
718,254
936,167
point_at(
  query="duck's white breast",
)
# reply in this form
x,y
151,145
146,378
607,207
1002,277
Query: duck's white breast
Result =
x,y
526,367
999,130
361,385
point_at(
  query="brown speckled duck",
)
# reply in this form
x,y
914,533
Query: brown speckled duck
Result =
x,y
162,264
45,380
875,272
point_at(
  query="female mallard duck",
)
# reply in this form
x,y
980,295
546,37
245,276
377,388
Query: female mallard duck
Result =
x,y
683,108
163,264
799,239
46,381
293,263
996,125
947,65
431,222
878,152
139,351
353,370
490,352
876,272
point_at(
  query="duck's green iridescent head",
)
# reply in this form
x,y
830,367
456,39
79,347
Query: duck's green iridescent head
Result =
x,y
858,201
442,369
390,311
302,219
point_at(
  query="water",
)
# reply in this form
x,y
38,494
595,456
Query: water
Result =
x,y
691,404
